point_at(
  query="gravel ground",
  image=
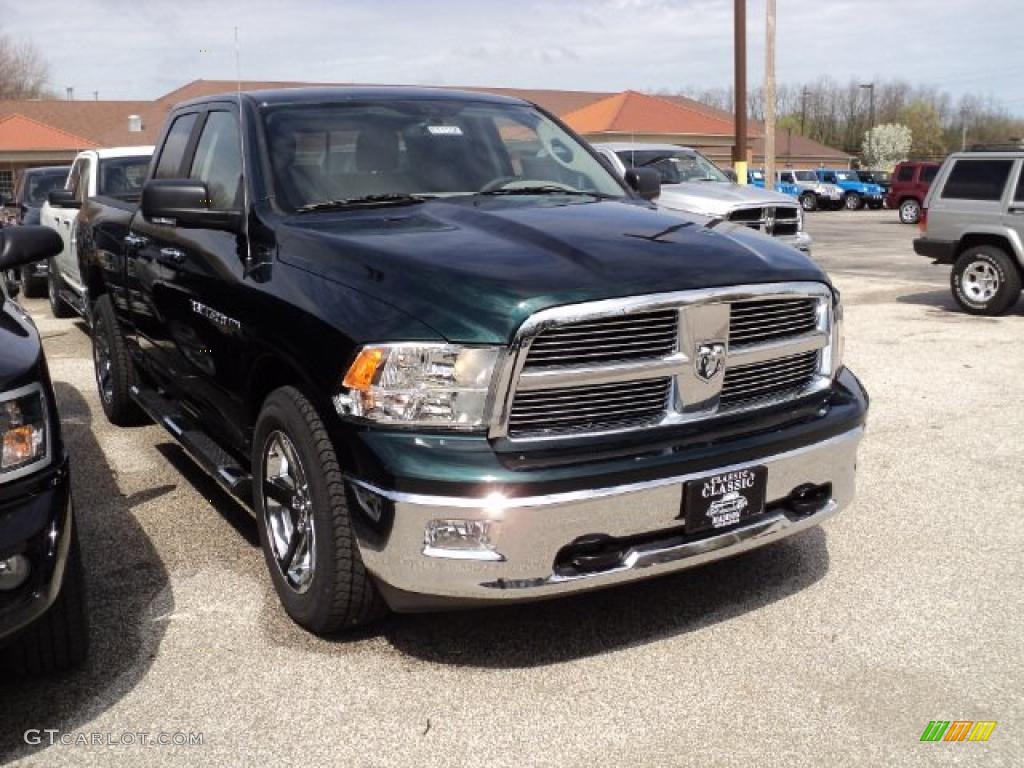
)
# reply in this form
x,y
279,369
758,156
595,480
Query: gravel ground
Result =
x,y
835,647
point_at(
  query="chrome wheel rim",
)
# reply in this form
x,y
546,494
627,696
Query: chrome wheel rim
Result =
x,y
101,361
980,282
852,202
910,212
807,202
288,512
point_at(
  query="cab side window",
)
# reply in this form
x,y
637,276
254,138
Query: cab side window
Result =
x,y
173,152
1018,196
218,161
906,173
977,180
788,178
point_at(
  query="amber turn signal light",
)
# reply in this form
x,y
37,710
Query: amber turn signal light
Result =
x,y
363,369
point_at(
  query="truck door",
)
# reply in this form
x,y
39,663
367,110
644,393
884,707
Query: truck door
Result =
x,y
194,285
63,220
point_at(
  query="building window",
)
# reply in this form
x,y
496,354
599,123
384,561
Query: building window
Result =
x,y
6,183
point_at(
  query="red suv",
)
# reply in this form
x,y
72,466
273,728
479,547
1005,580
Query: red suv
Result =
x,y
910,182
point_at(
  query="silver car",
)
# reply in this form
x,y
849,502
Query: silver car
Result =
x,y
974,219
691,183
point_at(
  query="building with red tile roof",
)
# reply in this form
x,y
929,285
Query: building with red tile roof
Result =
x,y
51,132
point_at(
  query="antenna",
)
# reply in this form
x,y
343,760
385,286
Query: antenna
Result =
x,y
241,144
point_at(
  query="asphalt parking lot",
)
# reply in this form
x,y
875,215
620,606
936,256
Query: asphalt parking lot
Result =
x,y
835,647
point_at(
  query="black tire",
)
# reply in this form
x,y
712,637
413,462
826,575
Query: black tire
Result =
x,y
59,640
34,287
968,281
113,367
340,593
853,201
54,284
910,211
809,201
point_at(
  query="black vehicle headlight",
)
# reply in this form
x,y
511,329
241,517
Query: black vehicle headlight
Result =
x,y
419,385
23,430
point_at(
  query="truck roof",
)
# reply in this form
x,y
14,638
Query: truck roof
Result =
x,y
331,94
109,152
639,146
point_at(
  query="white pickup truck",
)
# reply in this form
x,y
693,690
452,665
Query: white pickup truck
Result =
x,y
116,173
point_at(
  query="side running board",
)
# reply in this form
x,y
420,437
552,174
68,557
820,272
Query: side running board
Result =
x,y
203,449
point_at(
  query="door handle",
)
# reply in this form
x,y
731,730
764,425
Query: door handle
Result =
x,y
172,257
1016,210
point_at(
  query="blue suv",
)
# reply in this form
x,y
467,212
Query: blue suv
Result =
x,y
856,193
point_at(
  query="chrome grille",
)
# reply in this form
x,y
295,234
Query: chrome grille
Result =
x,y
609,339
772,220
773,379
589,408
640,362
754,322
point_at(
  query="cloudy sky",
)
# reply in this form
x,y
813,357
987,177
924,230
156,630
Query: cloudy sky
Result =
x,y
130,49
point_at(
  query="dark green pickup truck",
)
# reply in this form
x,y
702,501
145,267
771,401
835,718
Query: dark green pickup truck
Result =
x,y
449,358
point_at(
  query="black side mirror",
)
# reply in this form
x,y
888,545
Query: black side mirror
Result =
x,y
646,182
27,244
62,198
185,203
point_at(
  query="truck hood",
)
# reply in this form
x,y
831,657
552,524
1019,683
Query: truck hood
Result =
x,y
712,198
473,269
20,349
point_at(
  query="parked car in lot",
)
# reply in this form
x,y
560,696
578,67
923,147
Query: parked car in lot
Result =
x,y
910,183
42,609
113,175
882,179
449,358
690,183
29,196
856,193
814,193
974,219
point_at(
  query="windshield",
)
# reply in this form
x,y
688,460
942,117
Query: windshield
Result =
x,y
391,151
806,176
122,177
39,185
675,166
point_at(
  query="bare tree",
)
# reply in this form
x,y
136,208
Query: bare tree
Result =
x,y
24,72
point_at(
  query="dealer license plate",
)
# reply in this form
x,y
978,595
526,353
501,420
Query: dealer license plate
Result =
x,y
725,499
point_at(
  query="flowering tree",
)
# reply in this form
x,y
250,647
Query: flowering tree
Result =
x,y
885,145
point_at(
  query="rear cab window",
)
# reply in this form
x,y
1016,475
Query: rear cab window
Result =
x,y
905,173
981,180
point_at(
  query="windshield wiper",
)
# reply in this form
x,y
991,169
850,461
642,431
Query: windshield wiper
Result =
x,y
368,201
544,189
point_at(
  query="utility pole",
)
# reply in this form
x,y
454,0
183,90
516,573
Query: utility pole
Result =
x,y
803,111
739,154
963,129
769,99
871,138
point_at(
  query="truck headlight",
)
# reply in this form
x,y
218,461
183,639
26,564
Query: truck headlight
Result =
x,y
836,346
428,385
23,430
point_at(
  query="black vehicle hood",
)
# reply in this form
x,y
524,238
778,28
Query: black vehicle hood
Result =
x,y
474,269
20,349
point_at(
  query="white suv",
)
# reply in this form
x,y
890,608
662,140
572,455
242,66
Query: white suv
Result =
x,y
973,218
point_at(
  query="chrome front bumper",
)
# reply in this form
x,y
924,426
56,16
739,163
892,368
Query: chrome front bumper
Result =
x,y
528,533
